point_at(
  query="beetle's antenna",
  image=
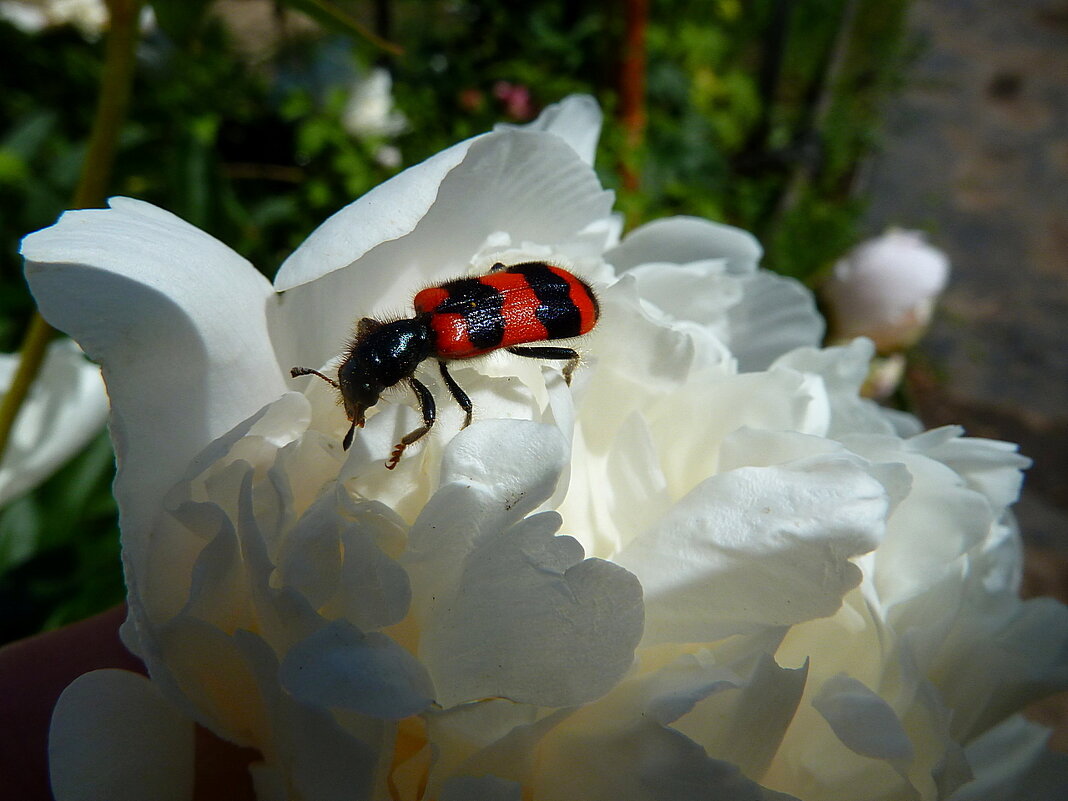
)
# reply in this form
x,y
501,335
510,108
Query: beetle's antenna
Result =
x,y
297,372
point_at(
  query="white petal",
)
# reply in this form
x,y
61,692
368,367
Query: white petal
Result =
x,y
322,761
66,407
319,760
219,589
576,119
636,760
757,447
996,661
862,720
178,323
389,211
931,528
757,547
843,369
681,240
341,667
604,521
493,736
776,315
532,622
628,745
699,291
630,343
480,788
492,474
510,610
775,400
211,676
532,186
745,723
988,466
114,737
690,299
1013,762
517,460
159,586
309,558
374,590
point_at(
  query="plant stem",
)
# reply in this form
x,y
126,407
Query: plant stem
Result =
x,y
632,89
329,9
115,82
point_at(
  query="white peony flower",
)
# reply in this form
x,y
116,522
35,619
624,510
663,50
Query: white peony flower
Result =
x,y
388,156
90,17
31,16
886,289
707,569
66,407
369,110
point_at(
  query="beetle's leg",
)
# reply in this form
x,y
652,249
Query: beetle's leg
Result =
x,y
457,393
429,411
554,354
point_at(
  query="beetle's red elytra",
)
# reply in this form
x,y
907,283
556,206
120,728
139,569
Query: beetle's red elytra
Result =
x,y
507,308
532,302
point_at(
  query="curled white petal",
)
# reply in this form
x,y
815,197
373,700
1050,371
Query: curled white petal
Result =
x,y
576,119
682,240
176,320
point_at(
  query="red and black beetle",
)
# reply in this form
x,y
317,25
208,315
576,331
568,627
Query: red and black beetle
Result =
x,y
507,308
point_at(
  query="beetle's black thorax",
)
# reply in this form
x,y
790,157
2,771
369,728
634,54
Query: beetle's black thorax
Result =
x,y
391,353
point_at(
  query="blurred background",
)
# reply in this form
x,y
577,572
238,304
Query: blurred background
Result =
x,y
815,124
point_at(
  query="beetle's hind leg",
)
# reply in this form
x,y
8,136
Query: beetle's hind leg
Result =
x,y
457,393
553,354
429,412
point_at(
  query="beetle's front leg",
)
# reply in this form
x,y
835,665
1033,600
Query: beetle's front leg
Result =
x,y
429,412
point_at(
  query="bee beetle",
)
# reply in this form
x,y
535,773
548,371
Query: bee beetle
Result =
x,y
507,308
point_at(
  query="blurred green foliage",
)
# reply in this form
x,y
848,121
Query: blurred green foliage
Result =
x,y
758,114
59,547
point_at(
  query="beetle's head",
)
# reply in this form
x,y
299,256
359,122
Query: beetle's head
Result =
x,y
360,389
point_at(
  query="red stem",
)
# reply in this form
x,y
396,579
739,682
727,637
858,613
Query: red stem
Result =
x,y
632,89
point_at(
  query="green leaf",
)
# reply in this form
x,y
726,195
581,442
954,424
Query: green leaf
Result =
x,y
31,133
